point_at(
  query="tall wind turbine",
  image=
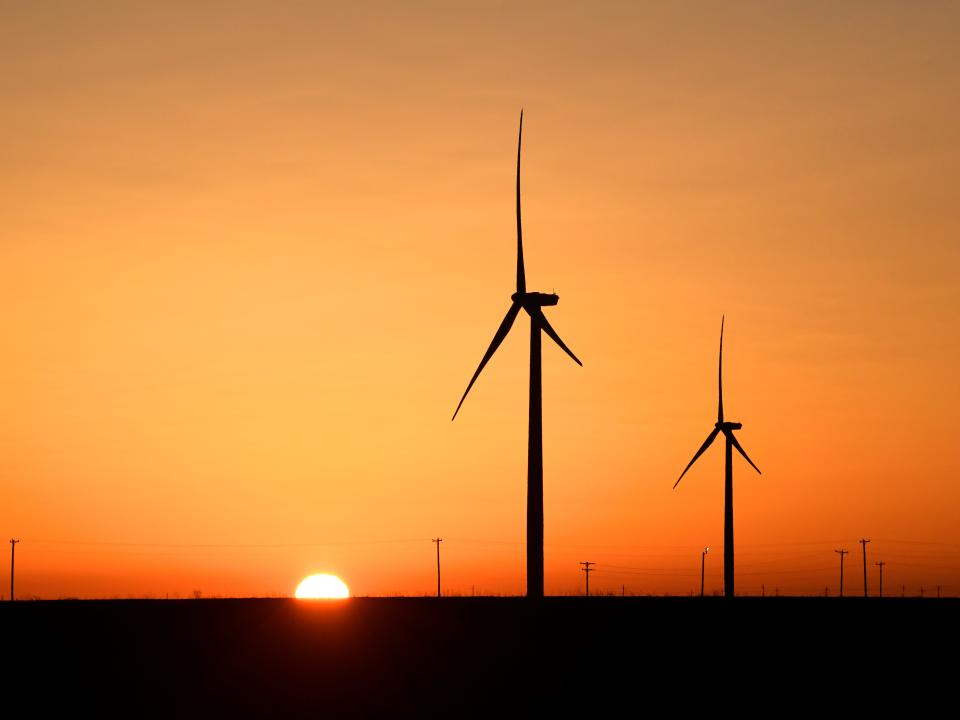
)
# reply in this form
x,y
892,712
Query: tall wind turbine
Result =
x,y
727,428
532,302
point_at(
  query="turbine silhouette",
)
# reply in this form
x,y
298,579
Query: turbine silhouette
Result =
x,y
727,428
532,302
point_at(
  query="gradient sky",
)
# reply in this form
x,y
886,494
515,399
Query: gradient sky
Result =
x,y
251,253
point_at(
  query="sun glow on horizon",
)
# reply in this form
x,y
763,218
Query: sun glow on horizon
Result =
x,y
322,587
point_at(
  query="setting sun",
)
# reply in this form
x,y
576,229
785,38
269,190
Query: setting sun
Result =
x,y
322,586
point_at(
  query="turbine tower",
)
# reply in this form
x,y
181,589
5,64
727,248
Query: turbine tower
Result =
x,y
727,428
533,303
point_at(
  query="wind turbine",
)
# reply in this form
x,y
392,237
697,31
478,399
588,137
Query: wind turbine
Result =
x,y
532,302
727,428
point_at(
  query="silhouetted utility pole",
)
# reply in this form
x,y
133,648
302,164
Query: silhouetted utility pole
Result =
x,y
880,565
842,553
703,562
863,543
586,570
826,592
437,541
13,547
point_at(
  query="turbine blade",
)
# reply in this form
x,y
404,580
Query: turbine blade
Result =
x,y
521,275
495,343
733,441
545,324
720,376
703,448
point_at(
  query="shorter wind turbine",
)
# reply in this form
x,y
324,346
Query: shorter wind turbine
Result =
x,y
727,428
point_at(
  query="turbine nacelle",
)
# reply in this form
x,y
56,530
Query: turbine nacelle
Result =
x,y
727,426
535,299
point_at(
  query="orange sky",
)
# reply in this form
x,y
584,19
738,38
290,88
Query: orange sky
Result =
x,y
250,257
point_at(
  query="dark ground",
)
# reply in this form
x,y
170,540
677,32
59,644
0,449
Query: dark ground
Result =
x,y
482,656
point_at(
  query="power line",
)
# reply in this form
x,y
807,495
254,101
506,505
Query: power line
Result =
x,y
662,548
474,541
641,572
911,559
625,567
794,571
98,543
621,569
918,542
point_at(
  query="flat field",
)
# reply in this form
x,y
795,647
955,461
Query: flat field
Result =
x,y
497,657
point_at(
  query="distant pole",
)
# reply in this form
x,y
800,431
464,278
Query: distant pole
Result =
x,y
586,570
703,562
763,590
921,591
13,547
864,542
842,553
880,565
623,590
826,592
437,542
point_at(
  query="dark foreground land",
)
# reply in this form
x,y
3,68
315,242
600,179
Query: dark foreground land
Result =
x,y
480,656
